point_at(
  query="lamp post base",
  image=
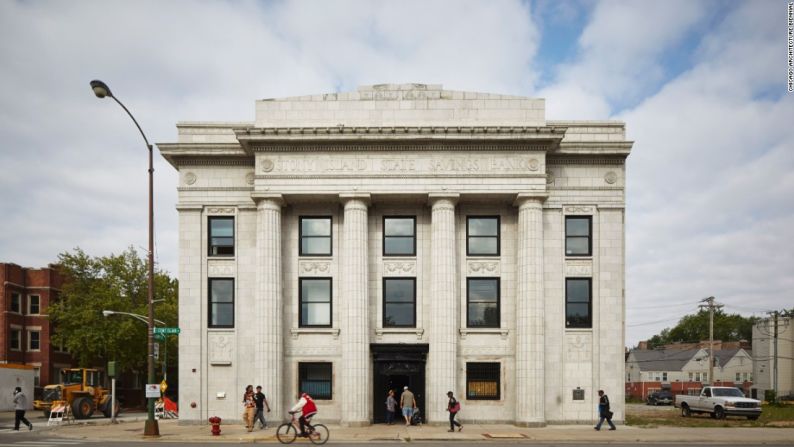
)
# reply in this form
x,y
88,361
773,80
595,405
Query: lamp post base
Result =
x,y
152,428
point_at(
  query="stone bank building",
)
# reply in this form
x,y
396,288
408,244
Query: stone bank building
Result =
x,y
350,243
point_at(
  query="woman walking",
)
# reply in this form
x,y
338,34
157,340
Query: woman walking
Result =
x,y
453,406
391,407
249,407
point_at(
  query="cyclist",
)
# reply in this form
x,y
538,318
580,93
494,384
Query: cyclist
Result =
x,y
307,408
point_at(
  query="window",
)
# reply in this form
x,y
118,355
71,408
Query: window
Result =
x,y
483,381
706,377
707,393
221,312
577,303
221,236
34,340
738,377
34,304
482,297
399,236
315,302
577,236
664,377
16,340
36,376
16,303
482,236
315,236
315,379
399,302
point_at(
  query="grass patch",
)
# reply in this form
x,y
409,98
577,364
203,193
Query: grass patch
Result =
x,y
772,416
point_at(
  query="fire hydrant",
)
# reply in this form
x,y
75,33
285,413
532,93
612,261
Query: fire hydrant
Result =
x,y
216,425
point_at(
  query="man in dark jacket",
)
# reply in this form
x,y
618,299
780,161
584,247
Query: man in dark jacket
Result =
x,y
603,411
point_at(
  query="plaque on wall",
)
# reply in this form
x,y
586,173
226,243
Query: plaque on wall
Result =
x,y
578,394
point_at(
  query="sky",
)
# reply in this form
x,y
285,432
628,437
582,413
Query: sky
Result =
x,y
701,86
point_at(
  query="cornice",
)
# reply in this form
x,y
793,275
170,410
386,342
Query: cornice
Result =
x,y
557,160
618,148
400,146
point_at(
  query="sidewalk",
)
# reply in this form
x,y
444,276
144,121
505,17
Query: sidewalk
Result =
x,y
40,422
171,431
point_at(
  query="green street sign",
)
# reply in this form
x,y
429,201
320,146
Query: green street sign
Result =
x,y
167,330
159,337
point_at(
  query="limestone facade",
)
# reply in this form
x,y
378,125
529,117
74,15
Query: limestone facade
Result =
x,y
516,257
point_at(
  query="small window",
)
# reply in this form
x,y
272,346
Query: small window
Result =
x,y
34,304
482,236
34,340
315,380
36,376
738,377
482,297
664,377
16,340
399,236
578,303
221,312
577,236
483,381
315,236
16,303
315,302
221,234
399,302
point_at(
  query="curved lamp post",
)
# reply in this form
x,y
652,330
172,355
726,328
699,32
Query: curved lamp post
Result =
x,y
101,90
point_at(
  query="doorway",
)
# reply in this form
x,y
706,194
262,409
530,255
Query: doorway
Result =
x,y
397,366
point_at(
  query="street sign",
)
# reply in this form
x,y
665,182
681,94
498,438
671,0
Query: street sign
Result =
x,y
156,351
166,330
152,390
159,337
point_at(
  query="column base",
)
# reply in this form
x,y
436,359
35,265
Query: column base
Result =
x,y
530,424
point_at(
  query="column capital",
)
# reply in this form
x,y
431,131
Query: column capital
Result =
x,y
439,197
267,199
352,197
530,197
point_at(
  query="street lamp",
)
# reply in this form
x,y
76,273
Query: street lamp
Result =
x,y
101,90
140,317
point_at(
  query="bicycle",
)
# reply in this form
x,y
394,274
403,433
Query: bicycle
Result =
x,y
288,431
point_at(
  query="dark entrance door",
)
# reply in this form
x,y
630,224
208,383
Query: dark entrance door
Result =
x,y
397,366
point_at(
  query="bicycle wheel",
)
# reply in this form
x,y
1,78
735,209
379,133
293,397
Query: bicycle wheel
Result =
x,y
320,434
286,433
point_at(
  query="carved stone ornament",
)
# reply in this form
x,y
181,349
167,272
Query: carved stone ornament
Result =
x,y
549,177
578,347
485,268
221,348
610,177
249,178
220,210
268,165
221,269
533,164
579,268
315,267
579,210
190,178
397,268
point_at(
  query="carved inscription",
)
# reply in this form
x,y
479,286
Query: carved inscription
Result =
x,y
427,165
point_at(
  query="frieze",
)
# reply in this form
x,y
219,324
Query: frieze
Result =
x,y
579,268
221,348
482,351
397,268
316,351
221,268
578,347
220,210
579,209
484,268
315,267
401,147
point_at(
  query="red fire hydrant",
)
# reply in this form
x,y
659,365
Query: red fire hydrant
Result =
x,y
216,425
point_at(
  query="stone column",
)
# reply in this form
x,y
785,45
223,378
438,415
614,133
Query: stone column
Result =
x,y
442,358
268,343
530,339
354,312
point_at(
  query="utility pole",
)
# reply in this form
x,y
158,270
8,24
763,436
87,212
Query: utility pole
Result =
x,y
774,338
711,306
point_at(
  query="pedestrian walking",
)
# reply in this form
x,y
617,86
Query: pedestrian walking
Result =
x,y
603,411
391,407
249,407
20,405
408,404
261,402
453,406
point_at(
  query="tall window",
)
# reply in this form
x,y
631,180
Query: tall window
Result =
x,y
482,298
16,303
221,312
36,376
578,304
221,236
664,376
483,381
399,302
578,241
315,305
315,236
16,340
482,236
316,380
34,340
399,236
34,304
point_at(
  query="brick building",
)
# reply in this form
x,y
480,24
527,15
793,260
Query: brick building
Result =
x,y
25,295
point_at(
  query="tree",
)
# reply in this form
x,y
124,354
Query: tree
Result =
x,y
695,327
118,283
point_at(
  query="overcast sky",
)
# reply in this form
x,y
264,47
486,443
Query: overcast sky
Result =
x,y
700,84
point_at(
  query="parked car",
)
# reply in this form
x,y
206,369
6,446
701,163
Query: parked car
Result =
x,y
719,401
663,397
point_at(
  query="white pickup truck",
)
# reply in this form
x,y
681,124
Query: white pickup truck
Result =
x,y
720,401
